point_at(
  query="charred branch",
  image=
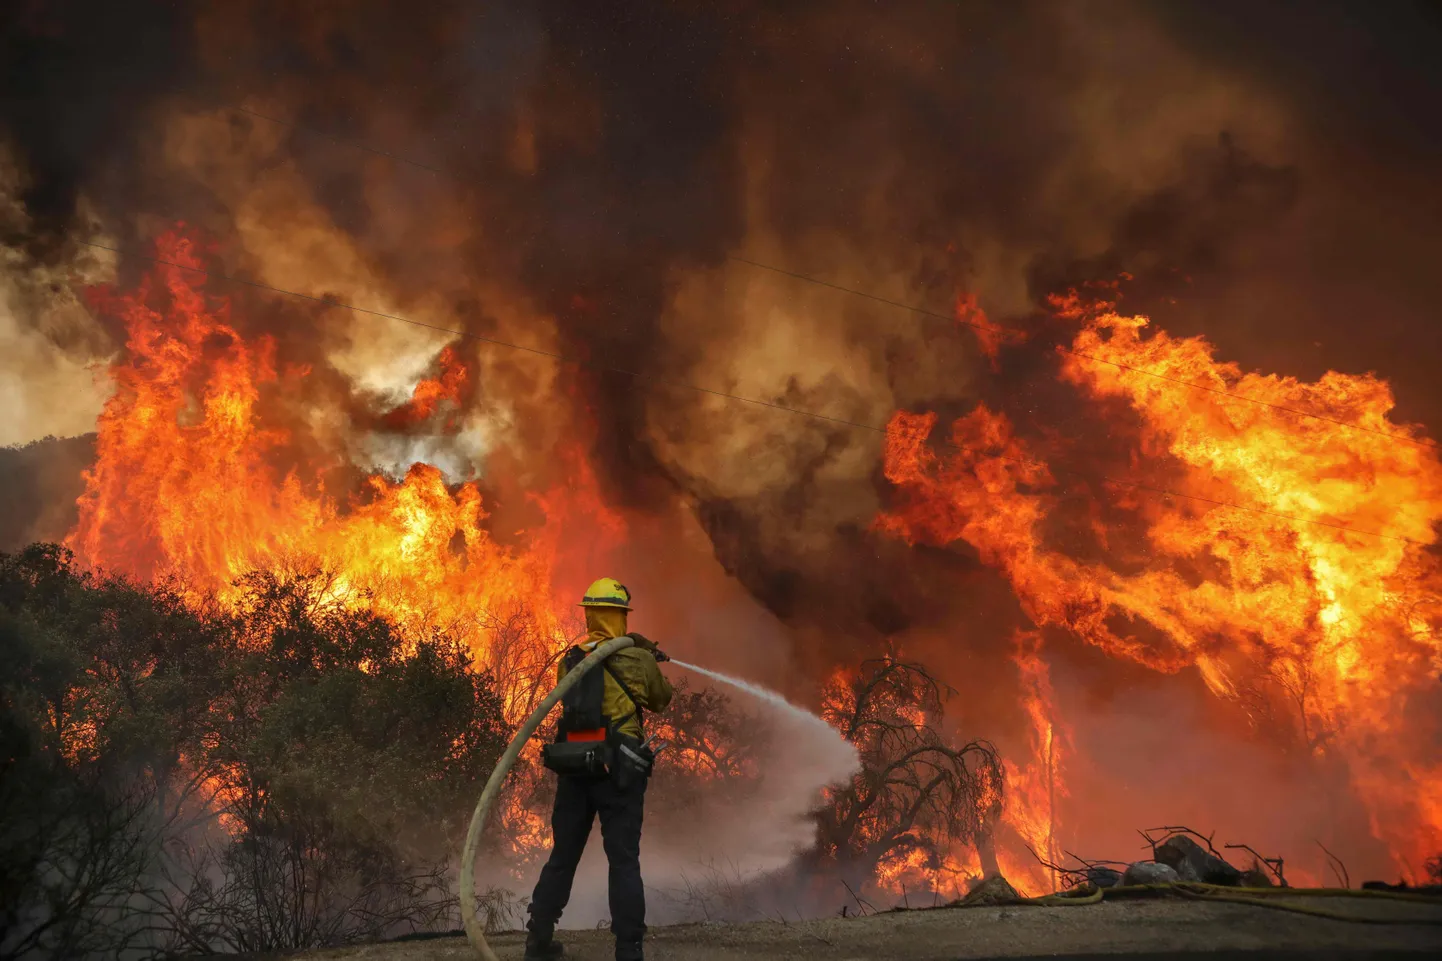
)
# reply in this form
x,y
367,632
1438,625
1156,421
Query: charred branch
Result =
x,y
916,791
1172,831
1274,865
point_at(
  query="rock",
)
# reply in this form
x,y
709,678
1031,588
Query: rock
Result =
x,y
1255,877
992,890
1150,872
1188,858
1186,871
1103,877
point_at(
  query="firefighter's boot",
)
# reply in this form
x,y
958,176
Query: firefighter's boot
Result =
x,y
541,943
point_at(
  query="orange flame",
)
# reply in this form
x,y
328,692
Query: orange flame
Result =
x,y
186,479
195,473
1340,625
988,336
1032,790
432,394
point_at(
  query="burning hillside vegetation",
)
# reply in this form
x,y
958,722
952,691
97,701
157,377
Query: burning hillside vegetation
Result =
x,y
1132,520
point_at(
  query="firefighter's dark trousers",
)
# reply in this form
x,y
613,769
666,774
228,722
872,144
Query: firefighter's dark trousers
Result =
x,y
578,801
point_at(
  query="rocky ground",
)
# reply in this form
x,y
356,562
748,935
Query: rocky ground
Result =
x,y
1150,928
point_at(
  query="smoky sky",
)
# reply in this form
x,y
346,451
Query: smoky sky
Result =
x,y
75,79
1366,72
925,148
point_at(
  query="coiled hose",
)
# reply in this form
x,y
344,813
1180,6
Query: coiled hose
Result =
x,y
475,931
1259,897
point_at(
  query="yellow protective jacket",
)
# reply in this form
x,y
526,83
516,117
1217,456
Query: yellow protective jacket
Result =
x,y
636,666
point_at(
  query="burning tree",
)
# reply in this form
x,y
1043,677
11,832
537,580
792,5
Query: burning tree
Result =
x,y
917,794
709,736
1286,569
103,689
337,731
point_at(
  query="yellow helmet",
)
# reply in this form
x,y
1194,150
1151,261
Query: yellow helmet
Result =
x,y
607,592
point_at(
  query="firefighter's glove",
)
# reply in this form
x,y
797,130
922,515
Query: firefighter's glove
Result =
x,y
643,642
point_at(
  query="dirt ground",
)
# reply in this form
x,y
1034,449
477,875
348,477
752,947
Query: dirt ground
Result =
x,y
1139,928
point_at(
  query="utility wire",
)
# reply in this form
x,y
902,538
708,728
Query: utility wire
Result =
x,y
647,379
922,311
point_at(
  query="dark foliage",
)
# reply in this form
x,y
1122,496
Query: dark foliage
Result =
x,y
286,772
916,790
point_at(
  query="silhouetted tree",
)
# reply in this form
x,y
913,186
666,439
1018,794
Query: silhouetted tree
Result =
x,y
916,791
99,687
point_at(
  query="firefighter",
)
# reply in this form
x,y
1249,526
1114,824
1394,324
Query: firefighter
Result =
x,y
603,767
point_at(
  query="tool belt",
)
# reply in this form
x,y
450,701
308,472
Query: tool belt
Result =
x,y
578,758
624,758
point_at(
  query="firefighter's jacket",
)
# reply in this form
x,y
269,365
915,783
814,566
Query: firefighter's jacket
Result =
x,y
636,666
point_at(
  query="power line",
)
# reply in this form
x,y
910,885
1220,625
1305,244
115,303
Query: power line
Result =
x,y
644,378
924,312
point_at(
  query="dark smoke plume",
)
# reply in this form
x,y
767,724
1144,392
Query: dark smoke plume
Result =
x,y
602,166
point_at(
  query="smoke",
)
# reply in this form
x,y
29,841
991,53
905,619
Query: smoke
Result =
x,y
809,754
46,384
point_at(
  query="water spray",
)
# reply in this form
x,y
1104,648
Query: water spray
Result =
x,y
760,693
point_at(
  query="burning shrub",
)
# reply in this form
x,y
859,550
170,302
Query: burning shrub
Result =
x,y
709,736
349,751
105,687
336,711
917,794
288,773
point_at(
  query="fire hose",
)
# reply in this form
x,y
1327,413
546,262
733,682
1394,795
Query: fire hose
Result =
x,y
475,931
1258,897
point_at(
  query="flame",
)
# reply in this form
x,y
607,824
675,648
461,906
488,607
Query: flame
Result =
x,y
1337,626
432,394
1032,790
186,479
988,336
204,467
